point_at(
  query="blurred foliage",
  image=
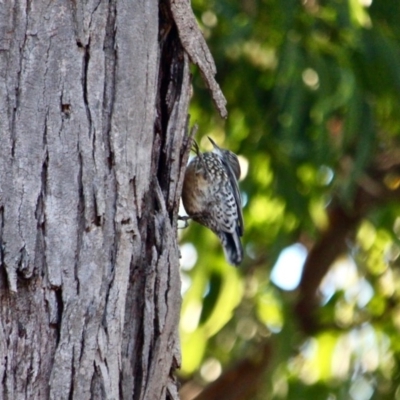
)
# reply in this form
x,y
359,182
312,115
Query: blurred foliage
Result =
x,y
313,90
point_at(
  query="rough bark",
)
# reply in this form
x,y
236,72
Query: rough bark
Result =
x,y
93,119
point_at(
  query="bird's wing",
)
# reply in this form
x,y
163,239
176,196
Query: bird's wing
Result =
x,y
236,193
224,210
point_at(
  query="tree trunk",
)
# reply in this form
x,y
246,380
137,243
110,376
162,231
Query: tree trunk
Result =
x,y
93,119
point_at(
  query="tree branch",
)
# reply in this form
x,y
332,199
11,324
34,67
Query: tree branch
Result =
x,y
199,53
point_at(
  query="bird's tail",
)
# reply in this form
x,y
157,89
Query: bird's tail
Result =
x,y
232,247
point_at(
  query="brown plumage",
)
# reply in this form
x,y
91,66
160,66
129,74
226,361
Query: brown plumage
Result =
x,y
212,198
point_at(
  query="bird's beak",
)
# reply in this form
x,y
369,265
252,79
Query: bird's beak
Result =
x,y
213,143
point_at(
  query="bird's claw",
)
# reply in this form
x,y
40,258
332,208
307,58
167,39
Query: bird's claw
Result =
x,y
195,148
185,219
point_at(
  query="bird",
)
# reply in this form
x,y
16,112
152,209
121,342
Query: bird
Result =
x,y
211,197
